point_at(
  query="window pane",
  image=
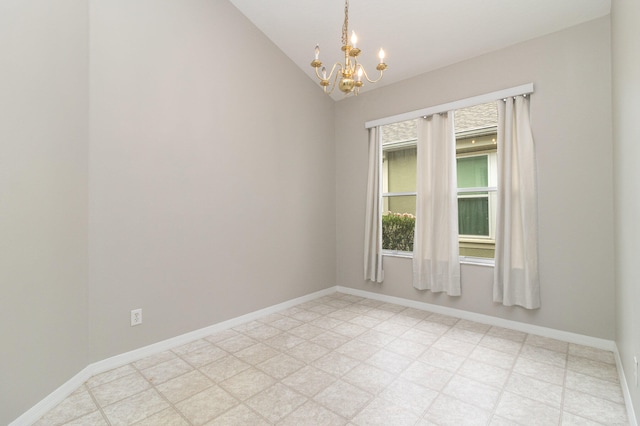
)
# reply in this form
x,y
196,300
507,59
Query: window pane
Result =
x,y
473,216
398,223
399,169
473,172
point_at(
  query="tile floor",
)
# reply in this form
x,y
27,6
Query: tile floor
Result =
x,y
346,360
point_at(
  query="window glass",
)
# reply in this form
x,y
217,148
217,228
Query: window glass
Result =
x,y
476,149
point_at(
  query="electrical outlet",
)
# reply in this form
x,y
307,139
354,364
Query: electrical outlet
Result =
x,y
136,317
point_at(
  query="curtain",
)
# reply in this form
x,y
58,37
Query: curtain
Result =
x,y
436,264
516,278
373,225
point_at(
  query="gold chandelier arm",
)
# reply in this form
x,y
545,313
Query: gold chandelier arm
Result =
x,y
364,73
333,69
334,83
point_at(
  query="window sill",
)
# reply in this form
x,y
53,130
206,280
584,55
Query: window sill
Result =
x,y
464,260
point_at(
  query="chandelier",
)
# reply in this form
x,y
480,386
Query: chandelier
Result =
x,y
348,75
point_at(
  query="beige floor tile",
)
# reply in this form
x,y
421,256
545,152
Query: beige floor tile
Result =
x,y
276,402
330,340
284,341
347,360
263,332
135,408
600,370
206,405
224,368
506,333
493,357
409,347
594,408
484,373
376,338
236,343
538,390
389,361
452,345
110,375
94,419
221,335
150,361
427,375
185,386
593,386
409,395
312,414
240,415
540,370
309,380
548,356
344,398
203,355
547,343
247,383
336,364
382,412
447,410
256,354
472,392
167,370
120,388
526,411
308,352
76,405
358,350
166,417
442,359
280,366
501,344
368,378
592,353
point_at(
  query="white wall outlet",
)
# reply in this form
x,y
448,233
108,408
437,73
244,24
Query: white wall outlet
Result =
x,y
136,317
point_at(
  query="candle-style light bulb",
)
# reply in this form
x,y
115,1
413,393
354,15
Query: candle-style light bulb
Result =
x,y
360,73
324,73
381,56
354,39
317,52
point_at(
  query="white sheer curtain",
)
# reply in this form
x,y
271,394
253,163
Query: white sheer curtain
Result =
x,y
436,264
373,225
516,278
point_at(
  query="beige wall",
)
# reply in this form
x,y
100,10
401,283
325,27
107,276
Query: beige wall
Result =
x,y
211,172
625,15
142,149
44,95
571,119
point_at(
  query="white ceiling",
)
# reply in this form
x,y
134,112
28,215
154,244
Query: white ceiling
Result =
x,y
417,35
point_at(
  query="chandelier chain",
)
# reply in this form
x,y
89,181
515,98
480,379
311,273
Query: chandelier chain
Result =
x,y
345,26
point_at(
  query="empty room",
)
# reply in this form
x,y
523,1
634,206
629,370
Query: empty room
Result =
x,y
302,212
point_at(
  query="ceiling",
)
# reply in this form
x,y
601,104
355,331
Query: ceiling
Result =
x,y
417,35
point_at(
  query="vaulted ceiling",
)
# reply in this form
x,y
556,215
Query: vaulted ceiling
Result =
x,y
417,35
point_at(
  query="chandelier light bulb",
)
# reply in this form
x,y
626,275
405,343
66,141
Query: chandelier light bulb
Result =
x,y
360,73
381,55
324,73
354,39
317,52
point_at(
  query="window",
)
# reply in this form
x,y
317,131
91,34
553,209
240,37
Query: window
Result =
x,y
476,149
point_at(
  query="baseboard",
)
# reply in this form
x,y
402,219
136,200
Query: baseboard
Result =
x,y
60,394
628,402
565,336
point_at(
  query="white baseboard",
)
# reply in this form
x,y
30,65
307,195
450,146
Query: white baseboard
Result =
x,y
628,402
565,336
60,394
53,399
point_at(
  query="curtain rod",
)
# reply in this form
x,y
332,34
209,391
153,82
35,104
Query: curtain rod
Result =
x,y
463,103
